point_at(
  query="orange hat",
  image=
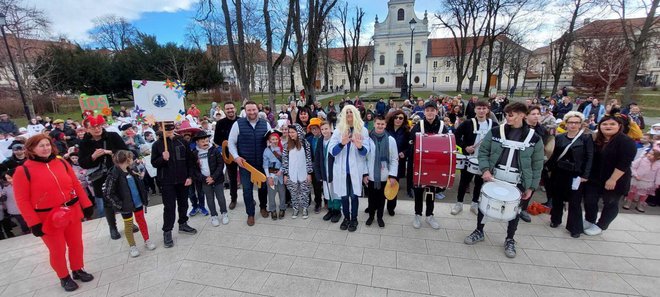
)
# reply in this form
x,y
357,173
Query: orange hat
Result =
x,y
314,122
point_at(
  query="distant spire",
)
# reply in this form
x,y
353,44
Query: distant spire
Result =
x,y
425,14
376,19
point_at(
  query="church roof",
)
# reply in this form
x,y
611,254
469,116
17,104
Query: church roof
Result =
x,y
337,53
444,47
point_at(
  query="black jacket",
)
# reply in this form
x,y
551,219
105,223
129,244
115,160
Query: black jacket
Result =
x,y
465,134
617,154
216,166
319,173
181,164
118,194
88,145
9,166
222,129
580,155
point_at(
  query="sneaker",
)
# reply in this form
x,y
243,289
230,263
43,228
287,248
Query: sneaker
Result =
x,y
133,251
336,217
225,218
369,221
627,204
417,222
457,208
432,222
273,215
328,215
352,226
215,221
204,211
317,209
193,212
593,230
305,213
474,208
150,245
524,215
381,223
475,237
82,275
641,207
168,242
439,196
68,284
344,224
295,213
510,248
185,229
586,224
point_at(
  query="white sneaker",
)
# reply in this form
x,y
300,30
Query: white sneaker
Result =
x,y
586,224
439,196
134,252
215,221
432,222
474,208
457,208
150,245
225,218
593,230
417,222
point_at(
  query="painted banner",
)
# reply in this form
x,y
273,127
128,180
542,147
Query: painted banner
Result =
x,y
159,100
94,103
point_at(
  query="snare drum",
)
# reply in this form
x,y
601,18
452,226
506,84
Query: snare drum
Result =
x,y
460,161
473,165
500,200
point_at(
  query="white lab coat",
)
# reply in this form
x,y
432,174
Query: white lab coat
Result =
x,y
386,171
357,163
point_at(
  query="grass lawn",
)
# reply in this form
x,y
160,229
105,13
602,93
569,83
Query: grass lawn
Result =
x,y
649,101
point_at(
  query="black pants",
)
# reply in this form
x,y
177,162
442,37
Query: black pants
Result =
x,y
174,196
464,183
232,171
419,200
376,199
108,210
545,179
317,186
560,186
610,205
149,182
510,229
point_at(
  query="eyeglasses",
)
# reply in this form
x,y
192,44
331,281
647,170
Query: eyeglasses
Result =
x,y
573,123
399,118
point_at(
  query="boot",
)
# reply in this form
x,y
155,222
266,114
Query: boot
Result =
x,y
336,217
114,234
328,215
68,284
168,242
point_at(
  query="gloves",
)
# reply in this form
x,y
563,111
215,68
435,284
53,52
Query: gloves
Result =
x,y
36,230
88,212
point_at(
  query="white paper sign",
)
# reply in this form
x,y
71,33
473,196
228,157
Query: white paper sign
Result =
x,y
159,100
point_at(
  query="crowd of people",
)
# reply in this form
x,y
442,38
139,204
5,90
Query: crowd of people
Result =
x,y
57,173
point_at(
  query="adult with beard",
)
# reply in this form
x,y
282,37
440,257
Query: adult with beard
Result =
x,y
222,129
95,155
247,144
175,165
432,125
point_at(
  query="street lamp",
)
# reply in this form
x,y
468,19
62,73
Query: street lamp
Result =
x,y
434,75
541,83
404,87
26,109
412,32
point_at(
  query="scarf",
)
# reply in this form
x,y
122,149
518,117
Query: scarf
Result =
x,y
382,154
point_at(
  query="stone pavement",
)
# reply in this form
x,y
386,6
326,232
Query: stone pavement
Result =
x,y
314,258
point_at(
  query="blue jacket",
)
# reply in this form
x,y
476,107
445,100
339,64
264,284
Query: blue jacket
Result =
x,y
270,161
599,115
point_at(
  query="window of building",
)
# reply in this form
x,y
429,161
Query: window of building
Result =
x,y
400,15
366,81
476,78
416,79
366,68
435,64
343,81
382,59
448,63
446,78
343,68
381,80
434,79
657,63
418,58
399,58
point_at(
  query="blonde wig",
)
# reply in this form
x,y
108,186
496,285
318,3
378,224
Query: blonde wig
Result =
x,y
342,123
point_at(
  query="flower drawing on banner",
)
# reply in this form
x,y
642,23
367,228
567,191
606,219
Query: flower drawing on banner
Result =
x,y
136,85
106,111
138,110
180,93
169,84
144,82
179,84
140,119
149,119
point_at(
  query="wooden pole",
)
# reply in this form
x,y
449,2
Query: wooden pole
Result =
x,y
162,126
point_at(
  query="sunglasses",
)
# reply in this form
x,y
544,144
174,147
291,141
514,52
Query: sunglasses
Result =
x,y
18,148
399,118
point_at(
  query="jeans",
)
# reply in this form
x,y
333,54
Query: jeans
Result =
x,y
213,192
349,200
196,194
279,190
248,194
174,196
610,205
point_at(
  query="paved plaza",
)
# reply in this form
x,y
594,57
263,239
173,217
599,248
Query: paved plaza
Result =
x,y
314,258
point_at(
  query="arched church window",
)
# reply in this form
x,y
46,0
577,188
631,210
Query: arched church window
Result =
x,y
382,59
400,14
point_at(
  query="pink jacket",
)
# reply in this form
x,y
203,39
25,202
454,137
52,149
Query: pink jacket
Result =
x,y
644,170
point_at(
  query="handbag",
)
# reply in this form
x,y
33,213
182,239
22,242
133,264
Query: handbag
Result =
x,y
98,172
565,164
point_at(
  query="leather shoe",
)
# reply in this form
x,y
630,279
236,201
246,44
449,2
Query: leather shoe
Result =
x,y
264,213
554,225
250,221
114,234
83,276
68,284
232,205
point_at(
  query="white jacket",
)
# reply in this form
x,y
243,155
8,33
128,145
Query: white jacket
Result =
x,y
386,171
357,168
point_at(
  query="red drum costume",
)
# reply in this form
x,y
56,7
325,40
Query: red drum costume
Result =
x,y
41,194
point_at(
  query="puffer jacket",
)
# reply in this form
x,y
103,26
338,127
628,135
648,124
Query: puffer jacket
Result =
x,y
118,194
216,166
530,160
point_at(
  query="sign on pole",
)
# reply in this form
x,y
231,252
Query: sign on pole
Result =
x,y
94,103
159,100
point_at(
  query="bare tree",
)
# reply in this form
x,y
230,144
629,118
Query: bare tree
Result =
x,y
637,37
113,32
355,56
274,65
317,12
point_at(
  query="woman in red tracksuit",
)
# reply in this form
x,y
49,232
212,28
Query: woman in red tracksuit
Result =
x,y
53,202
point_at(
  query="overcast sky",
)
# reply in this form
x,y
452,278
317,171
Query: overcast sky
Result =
x,y
167,19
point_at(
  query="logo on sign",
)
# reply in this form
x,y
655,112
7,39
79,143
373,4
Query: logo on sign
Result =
x,y
159,100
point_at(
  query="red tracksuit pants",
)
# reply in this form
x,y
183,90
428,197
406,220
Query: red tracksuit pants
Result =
x,y
58,240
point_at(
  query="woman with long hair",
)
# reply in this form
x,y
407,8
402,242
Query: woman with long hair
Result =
x,y
610,174
398,128
53,203
349,146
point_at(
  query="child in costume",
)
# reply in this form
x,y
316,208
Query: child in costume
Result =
x,y
297,170
323,172
273,168
208,173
